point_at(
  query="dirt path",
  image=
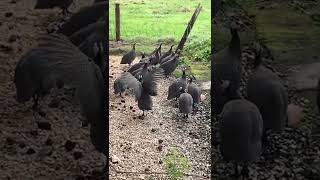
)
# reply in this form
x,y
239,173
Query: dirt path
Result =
x,y
34,147
135,141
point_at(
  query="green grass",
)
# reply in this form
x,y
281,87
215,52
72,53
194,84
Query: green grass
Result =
x,y
149,22
176,164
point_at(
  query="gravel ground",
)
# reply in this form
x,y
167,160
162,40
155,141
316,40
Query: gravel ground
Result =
x,y
134,141
34,147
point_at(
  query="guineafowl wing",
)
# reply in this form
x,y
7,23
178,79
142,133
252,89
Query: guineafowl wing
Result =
x,y
135,67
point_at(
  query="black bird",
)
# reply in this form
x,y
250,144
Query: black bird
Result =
x,y
167,53
194,91
227,63
185,102
155,59
267,92
170,65
127,81
55,60
158,49
170,57
85,16
129,57
240,128
98,28
49,4
173,91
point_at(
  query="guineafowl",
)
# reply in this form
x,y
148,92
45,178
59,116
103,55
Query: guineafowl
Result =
x,y
56,59
127,81
173,91
84,17
130,56
170,57
158,49
194,91
241,129
266,91
49,4
227,63
155,59
170,65
167,53
95,47
82,34
318,95
133,69
185,102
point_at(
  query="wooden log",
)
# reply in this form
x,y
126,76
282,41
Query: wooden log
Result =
x,y
117,14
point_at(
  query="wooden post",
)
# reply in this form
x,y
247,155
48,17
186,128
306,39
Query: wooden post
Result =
x,y
117,13
189,27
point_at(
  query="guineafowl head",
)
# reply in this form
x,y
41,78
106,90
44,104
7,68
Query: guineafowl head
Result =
x,y
25,87
258,51
143,55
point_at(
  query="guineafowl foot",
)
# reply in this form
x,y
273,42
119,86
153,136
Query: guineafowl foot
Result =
x,y
245,172
236,172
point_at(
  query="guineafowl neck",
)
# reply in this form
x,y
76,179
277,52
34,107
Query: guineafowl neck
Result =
x,y
235,44
257,60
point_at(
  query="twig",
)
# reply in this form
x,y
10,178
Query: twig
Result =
x,y
150,172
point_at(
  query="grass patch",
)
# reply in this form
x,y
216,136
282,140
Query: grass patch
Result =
x,y
176,164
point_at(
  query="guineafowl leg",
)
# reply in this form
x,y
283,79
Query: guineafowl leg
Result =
x,y
35,98
245,171
236,172
142,113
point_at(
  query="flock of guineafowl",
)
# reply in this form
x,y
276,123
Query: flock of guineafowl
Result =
x,y
243,123
142,78
74,57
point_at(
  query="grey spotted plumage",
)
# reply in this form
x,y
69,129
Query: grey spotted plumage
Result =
x,y
241,129
194,91
227,63
185,103
129,57
57,60
127,81
170,66
173,91
267,92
